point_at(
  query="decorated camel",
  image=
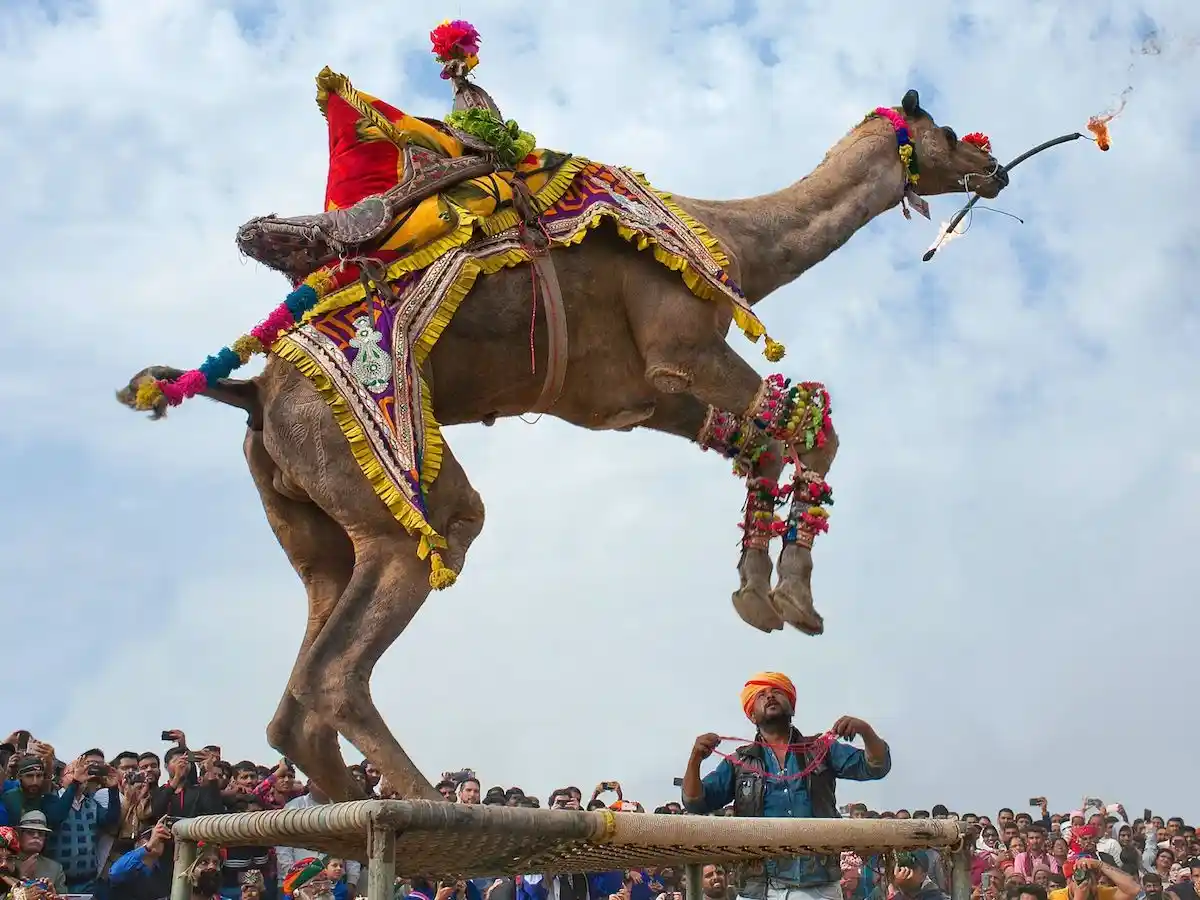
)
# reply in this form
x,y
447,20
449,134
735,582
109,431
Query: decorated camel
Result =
x,y
413,308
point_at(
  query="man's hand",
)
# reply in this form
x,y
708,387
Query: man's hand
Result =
x,y
849,727
906,880
159,838
13,739
76,771
27,867
178,737
705,745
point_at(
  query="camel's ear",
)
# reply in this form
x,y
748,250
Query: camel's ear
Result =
x,y
911,104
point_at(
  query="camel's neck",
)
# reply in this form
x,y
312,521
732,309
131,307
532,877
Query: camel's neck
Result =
x,y
775,238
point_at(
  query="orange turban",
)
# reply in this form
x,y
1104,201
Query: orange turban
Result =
x,y
761,682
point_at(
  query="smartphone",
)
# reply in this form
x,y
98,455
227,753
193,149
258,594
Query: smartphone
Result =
x,y
167,736
96,770
23,741
678,782
1035,801
986,881
1146,817
169,821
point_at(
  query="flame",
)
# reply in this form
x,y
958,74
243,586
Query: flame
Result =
x,y
1098,125
945,235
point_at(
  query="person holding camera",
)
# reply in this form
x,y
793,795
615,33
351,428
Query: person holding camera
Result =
x,y
1084,882
187,794
91,803
33,863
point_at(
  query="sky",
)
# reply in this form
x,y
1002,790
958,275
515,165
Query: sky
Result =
x,y
1009,585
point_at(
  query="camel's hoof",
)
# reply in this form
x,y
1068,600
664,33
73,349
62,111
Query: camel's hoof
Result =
x,y
796,610
755,609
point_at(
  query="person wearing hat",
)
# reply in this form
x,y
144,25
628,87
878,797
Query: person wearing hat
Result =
x,y
32,833
495,797
33,792
764,779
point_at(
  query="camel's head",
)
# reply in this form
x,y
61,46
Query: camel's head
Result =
x,y
947,162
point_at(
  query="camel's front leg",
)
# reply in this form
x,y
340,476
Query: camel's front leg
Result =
x,y
799,415
759,459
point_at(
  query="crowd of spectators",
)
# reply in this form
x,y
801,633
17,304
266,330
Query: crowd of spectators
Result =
x,y
100,826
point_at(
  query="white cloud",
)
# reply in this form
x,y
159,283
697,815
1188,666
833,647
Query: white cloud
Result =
x,y
1011,564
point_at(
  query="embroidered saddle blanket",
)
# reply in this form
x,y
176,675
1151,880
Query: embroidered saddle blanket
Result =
x,y
422,210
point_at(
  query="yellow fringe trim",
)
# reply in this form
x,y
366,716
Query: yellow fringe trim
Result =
x,y
399,506
418,259
550,194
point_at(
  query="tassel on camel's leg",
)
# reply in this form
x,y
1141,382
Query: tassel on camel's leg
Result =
x,y
799,416
759,459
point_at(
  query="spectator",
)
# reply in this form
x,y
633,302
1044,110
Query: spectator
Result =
x,y
32,833
247,864
34,792
1035,852
142,874
468,791
1084,883
279,788
76,839
185,796
911,878
287,858
1185,888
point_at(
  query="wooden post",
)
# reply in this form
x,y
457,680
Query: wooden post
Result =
x,y
960,868
381,867
695,882
185,855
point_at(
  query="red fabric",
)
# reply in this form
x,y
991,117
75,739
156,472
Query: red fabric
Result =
x,y
357,169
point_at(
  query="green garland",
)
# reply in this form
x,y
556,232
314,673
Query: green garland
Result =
x,y
508,140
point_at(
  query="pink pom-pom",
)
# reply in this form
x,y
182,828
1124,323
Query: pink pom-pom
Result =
x,y
189,384
268,330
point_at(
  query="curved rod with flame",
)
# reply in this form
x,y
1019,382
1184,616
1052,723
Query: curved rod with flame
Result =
x,y
958,217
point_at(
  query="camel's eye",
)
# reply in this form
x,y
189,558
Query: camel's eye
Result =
x,y
953,138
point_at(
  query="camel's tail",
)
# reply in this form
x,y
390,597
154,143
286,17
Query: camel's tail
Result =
x,y
144,392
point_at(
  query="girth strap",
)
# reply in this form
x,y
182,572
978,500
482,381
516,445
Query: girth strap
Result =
x,y
546,280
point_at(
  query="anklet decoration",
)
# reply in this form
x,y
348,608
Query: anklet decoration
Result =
x,y
729,435
789,412
808,515
760,524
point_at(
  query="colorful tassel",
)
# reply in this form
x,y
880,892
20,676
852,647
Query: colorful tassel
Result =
x,y
225,361
440,575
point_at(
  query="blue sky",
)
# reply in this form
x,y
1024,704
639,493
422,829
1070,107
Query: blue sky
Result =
x,y
1010,578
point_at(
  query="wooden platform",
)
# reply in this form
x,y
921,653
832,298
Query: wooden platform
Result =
x,y
450,839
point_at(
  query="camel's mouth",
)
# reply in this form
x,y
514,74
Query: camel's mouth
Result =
x,y
989,185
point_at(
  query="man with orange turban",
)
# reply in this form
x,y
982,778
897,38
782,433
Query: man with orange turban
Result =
x,y
763,779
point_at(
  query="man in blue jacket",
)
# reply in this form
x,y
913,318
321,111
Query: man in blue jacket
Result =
x,y
784,775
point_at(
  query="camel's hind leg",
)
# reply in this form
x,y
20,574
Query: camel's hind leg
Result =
x,y
388,586
322,556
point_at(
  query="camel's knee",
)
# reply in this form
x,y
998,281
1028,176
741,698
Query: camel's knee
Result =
x,y
669,378
283,731
334,694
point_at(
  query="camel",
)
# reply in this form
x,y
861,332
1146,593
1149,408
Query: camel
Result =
x,y
645,352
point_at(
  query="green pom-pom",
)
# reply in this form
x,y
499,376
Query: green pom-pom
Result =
x,y
506,138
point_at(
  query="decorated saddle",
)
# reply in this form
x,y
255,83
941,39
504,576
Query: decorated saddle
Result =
x,y
416,211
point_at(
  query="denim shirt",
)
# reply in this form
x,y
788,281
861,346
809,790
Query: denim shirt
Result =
x,y
788,799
